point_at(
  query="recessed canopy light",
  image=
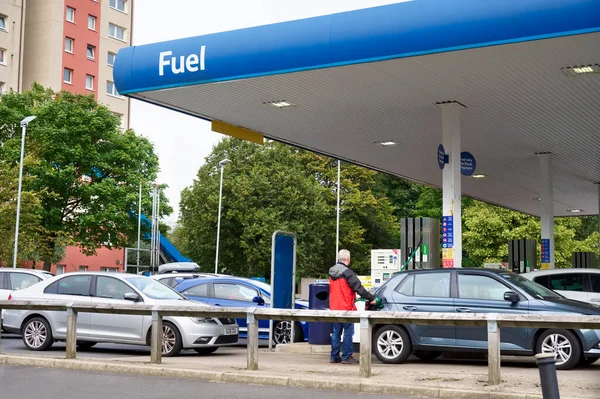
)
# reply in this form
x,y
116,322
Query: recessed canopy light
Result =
x,y
575,210
386,143
280,104
537,199
582,69
478,176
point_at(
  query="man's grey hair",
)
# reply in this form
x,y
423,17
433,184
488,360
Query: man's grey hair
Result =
x,y
343,255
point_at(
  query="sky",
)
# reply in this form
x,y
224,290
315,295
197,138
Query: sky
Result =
x,y
182,142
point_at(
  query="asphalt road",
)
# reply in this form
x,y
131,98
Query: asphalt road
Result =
x,y
16,383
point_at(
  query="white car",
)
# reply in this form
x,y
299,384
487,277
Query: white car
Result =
x,y
579,284
13,279
40,329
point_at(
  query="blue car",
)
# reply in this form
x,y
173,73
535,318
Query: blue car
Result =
x,y
479,291
243,292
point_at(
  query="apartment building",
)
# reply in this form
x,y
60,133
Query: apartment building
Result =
x,y
65,45
68,45
11,44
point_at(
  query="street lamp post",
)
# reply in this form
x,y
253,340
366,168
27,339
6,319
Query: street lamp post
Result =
x,y
24,124
222,165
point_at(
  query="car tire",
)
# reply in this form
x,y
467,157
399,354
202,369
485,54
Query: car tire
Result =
x,y
392,344
37,334
282,332
588,361
85,344
171,340
427,356
206,351
563,344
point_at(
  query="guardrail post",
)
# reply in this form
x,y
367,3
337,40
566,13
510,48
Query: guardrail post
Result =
x,y
252,342
0,332
156,337
493,349
366,341
71,332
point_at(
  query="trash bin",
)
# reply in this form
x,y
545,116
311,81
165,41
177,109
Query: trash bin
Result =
x,y
319,333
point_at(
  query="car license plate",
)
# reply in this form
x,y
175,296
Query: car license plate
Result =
x,y
231,331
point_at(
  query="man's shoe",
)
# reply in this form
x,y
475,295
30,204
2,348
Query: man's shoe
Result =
x,y
350,360
338,360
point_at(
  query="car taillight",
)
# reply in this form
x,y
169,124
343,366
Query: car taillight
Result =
x,y
9,297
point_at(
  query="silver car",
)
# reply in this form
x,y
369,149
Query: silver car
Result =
x,y
40,329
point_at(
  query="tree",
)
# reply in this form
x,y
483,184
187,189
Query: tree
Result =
x,y
88,172
278,187
30,231
488,229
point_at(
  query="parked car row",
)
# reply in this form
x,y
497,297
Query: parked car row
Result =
x,y
40,329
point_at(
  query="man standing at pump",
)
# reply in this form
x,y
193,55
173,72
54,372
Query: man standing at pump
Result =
x,y
343,287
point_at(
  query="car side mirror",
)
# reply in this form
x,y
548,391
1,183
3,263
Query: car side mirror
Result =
x,y
258,300
511,296
132,296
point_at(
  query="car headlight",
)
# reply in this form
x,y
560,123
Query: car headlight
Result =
x,y
200,320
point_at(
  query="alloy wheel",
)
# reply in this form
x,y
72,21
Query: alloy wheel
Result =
x,y
282,332
35,334
169,339
560,346
390,344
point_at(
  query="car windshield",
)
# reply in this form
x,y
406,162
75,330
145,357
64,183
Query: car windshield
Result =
x,y
534,289
154,289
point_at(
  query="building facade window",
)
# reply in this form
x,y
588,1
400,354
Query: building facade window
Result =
x,y
68,75
69,44
89,82
111,58
2,88
60,269
91,52
3,19
2,56
91,22
83,268
71,14
118,5
111,89
116,32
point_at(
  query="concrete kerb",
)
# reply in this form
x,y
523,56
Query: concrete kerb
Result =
x,y
258,379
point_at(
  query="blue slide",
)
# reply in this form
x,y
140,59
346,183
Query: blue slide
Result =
x,y
166,247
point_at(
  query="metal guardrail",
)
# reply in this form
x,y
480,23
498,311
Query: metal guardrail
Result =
x,y
367,320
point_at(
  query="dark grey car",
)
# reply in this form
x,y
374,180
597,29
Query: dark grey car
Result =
x,y
479,291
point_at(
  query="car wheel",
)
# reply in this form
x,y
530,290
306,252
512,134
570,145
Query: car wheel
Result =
x,y
587,361
427,356
37,334
171,340
392,344
206,351
282,332
85,344
563,344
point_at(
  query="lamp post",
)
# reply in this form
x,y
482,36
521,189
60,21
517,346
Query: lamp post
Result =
x,y
337,223
222,165
24,124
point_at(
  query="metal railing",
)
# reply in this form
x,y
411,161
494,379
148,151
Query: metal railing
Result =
x,y
368,320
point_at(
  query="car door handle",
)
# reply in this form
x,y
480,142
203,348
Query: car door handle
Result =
x,y
216,304
463,310
409,308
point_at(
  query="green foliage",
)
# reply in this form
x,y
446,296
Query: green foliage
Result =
x,y
88,171
278,187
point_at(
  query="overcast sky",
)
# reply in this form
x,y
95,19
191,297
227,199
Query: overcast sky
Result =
x,y
182,142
